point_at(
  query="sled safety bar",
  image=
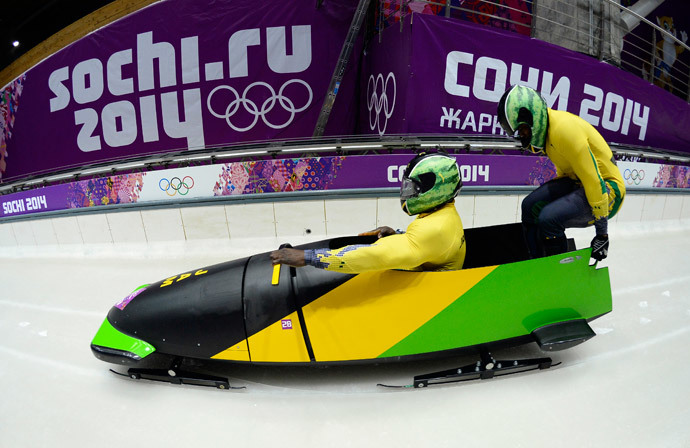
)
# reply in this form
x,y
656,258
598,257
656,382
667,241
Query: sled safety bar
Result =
x,y
276,275
275,278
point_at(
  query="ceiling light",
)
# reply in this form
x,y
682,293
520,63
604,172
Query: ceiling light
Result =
x,y
15,43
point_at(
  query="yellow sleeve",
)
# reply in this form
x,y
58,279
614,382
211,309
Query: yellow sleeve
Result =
x,y
434,241
391,252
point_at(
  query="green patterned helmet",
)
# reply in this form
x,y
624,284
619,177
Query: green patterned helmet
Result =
x,y
522,105
430,181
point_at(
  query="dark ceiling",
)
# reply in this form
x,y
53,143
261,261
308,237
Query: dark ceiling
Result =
x,y
32,21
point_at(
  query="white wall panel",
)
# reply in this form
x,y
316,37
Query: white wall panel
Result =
x,y
685,210
518,212
7,235
300,218
163,225
653,208
94,229
350,216
24,233
495,209
631,210
389,213
673,207
126,227
465,207
251,220
67,230
208,222
44,232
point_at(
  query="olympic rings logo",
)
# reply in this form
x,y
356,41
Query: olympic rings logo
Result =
x,y
176,185
267,106
377,101
633,176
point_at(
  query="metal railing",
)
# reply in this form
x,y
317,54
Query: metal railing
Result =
x,y
345,145
602,29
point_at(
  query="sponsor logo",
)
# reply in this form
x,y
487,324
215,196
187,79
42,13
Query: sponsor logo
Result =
x,y
176,185
633,176
247,105
379,104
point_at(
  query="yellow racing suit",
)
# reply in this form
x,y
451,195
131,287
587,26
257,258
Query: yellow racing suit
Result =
x,y
579,152
433,241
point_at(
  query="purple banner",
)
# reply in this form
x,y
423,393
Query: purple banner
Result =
x,y
34,201
176,75
443,76
266,176
378,171
333,173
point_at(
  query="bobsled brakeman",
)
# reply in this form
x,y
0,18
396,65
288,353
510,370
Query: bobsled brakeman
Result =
x,y
248,311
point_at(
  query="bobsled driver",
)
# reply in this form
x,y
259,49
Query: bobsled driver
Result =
x,y
588,188
435,240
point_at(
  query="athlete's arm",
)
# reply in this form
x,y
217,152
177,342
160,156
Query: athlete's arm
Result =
x,y
391,252
587,170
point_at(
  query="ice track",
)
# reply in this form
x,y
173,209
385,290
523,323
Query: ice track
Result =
x,y
629,386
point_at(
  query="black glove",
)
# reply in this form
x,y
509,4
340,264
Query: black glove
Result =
x,y
600,247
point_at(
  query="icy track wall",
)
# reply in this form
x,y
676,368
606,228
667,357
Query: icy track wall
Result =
x,y
289,221
297,197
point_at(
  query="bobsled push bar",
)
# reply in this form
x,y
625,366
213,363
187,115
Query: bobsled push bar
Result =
x,y
487,367
175,375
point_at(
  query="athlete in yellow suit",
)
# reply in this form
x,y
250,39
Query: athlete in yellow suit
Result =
x,y
579,152
588,188
435,240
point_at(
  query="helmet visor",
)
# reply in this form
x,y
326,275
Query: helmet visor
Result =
x,y
409,189
524,135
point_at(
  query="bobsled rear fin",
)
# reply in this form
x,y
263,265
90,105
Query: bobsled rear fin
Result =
x,y
563,335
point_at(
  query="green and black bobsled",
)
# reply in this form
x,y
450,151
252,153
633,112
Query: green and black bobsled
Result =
x,y
248,311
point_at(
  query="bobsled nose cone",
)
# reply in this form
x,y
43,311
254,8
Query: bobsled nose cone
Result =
x,y
111,345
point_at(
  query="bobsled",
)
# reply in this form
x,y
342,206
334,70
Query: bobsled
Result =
x,y
249,311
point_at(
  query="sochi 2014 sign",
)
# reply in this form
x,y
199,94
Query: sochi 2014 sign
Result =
x,y
449,76
177,75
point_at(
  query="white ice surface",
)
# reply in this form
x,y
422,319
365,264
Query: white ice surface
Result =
x,y
627,387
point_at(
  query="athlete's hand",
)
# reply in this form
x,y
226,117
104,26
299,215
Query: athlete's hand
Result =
x,y
290,257
380,232
600,247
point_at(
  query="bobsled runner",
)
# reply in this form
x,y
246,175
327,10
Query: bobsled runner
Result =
x,y
248,311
